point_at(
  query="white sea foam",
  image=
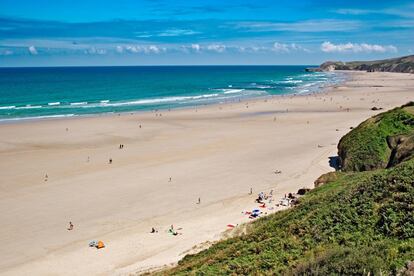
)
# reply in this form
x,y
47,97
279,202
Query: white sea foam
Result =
x,y
29,107
54,103
37,117
104,101
263,87
292,81
232,91
79,103
8,107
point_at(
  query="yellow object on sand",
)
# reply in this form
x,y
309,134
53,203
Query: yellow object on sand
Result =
x,y
100,245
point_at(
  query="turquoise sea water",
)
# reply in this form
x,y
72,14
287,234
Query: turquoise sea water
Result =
x,y
69,91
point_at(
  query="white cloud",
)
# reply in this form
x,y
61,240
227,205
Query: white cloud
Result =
x,y
135,49
196,47
401,11
119,49
154,49
95,51
219,48
176,32
324,25
32,50
287,48
252,49
329,47
280,47
354,11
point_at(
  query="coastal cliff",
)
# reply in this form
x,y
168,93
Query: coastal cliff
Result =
x,y
379,142
360,221
401,65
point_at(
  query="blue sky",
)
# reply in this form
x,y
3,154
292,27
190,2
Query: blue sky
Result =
x,y
152,32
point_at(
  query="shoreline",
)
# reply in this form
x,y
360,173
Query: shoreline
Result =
x,y
321,89
216,153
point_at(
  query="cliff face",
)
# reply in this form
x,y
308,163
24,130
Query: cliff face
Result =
x,y
402,65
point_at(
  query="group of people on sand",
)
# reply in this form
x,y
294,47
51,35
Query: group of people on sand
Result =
x,y
262,196
171,230
265,201
121,146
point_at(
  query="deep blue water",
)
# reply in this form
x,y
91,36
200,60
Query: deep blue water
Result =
x,y
68,91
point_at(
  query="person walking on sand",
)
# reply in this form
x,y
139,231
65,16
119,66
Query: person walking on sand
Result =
x,y
110,160
169,180
199,200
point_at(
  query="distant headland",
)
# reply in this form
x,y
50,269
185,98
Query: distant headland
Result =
x,y
400,65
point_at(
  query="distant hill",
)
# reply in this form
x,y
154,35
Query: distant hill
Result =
x,y
356,222
401,64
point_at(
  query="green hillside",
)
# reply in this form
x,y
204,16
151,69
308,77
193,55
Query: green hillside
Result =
x,y
368,146
361,223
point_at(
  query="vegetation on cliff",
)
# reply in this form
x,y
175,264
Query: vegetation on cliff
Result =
x,y
401,64
356,223
370,145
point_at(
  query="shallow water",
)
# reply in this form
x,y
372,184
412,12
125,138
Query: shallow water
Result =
x,y
70,91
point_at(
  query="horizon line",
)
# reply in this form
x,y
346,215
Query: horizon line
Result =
x,y
156,65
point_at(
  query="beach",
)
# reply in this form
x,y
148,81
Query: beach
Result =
x,y
59,171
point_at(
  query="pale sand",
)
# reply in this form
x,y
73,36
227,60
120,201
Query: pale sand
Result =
x,y
216,153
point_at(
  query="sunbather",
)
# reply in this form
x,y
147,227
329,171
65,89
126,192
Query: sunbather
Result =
x,y
70,226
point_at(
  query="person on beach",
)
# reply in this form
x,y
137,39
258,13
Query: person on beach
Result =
x,y
46,177
70,228
153,230
169,180
110,160
199,200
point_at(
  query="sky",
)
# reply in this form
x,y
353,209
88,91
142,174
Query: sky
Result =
x,y
195,32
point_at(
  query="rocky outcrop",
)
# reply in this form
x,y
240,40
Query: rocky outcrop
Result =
x,y
402,148
382,141
401,65
325,178
408,270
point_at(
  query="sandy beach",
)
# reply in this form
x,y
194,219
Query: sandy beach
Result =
x,y
216,153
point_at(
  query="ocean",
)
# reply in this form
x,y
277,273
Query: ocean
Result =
x,y
32,93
